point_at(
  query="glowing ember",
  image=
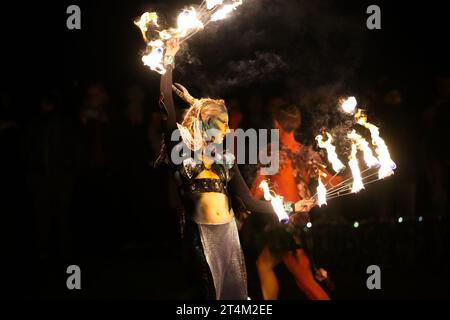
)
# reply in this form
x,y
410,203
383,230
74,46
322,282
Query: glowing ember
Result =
x,y
363,145
276,201
386,164
353,164
331,152
349,105
321,193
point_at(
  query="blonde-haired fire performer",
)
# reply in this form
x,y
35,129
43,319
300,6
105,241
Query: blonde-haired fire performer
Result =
x,y
205,185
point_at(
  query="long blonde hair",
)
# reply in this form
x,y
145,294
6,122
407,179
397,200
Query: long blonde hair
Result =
x,y
192,128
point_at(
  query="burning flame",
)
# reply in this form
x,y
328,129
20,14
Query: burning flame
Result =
x,y
386,164
276,201
349,105
331,152
189,21
265,187
155,57
225,10
321,193
353,163
363,145
212,3
143,22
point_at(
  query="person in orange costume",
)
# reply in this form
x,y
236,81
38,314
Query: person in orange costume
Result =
x,y
299,166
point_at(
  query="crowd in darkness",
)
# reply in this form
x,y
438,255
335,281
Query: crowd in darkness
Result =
x,y
78,178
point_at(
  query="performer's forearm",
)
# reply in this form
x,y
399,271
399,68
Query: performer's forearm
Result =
x,y
240,189
167,98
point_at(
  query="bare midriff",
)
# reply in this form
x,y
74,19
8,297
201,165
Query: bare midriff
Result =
x,y
212,208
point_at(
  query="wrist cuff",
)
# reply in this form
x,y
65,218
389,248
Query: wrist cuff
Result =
x,y
169,61
289,207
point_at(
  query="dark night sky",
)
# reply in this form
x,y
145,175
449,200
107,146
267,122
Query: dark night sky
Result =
x,y
300,44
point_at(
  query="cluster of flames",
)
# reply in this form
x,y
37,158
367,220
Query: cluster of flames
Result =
x,y
189,21
382,162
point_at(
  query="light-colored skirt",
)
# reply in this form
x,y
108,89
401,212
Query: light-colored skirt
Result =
x,y
223,253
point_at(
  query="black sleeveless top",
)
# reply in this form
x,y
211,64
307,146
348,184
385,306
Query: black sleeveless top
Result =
x,y
190,169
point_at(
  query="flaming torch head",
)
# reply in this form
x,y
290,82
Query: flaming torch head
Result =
x,y
321,193
223,12
349,105
337,165
353,163
276,201
265,187
144,21
384,158
187,21
210,4
155,56
363,145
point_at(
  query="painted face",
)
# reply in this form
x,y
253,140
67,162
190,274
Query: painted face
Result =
x,y
218,127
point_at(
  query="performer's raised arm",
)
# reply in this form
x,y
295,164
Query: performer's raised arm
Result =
x,y
166,98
